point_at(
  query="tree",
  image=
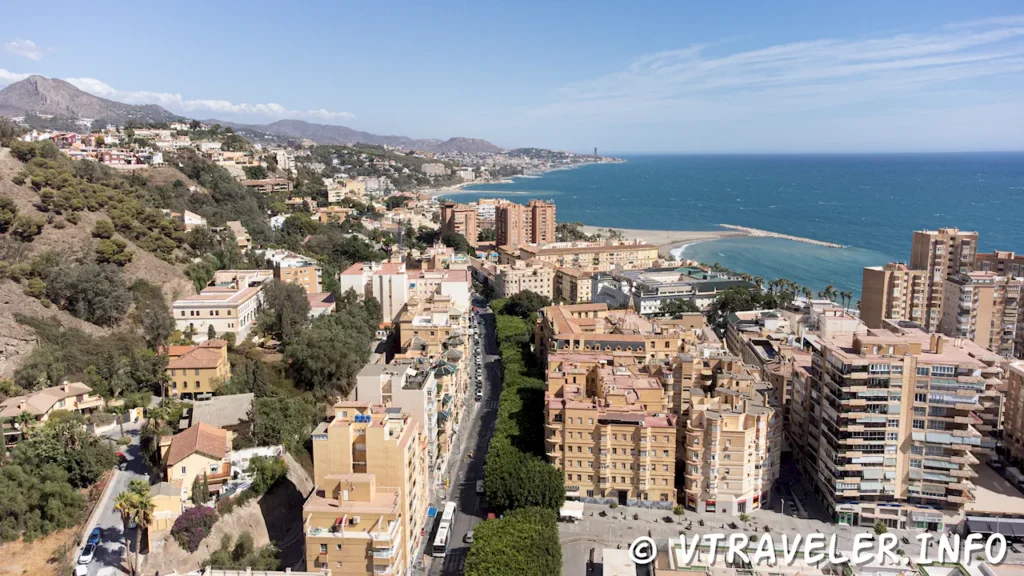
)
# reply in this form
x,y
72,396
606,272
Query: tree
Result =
x,y
286,310
457,242
525,304
68,445
328,355
243,554
523,543
113,251
881,528
211,333
8,213
103,229
200,490
738,299
396,201
679,306
36,501
135,504
95,293
193,526
266,472
152,315
487,235
26,228
281,420
255,172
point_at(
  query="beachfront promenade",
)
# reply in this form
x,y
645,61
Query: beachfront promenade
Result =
x,y
766,234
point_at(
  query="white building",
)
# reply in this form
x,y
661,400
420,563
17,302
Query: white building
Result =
x,y
388,282
277,222
230,305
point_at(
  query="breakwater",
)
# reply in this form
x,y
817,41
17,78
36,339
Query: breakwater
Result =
x,y
767,234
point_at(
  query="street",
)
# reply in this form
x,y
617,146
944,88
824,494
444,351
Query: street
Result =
x,y
108,555
469,470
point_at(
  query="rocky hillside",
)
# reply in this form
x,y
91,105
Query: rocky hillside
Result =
x,y
37,95
330,134
17,340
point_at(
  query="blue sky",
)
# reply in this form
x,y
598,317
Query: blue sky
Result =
x,y
667,76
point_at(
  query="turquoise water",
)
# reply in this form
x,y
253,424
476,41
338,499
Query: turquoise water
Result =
x,y
871,203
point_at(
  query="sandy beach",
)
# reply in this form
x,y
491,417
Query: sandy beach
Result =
x,y
667,240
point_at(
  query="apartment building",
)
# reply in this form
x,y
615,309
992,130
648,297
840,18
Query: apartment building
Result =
x,y
585,256
453,283
200,450
293,268
268,185
593,328
1013,419
573,286
514,278
894,291
434,169
1000,262
459,219
410,386
985,308
941,253
70,396
893,424
369,502
516,224
388,282
327,214
195,372
608,429
242,238
732,449
337,191
427,324
230,305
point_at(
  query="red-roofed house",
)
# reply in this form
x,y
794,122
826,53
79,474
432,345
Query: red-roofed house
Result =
x,y
198,450
197,370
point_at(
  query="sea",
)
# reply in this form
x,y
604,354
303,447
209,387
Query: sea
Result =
x,y
869,203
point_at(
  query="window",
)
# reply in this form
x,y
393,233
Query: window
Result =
x,y
338,547
323,548
214,468
197,371
183,469
919,424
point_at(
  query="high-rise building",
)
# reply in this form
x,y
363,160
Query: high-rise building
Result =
x,y
460,219
985,308
1002,263
369,502
895,417
608,429
732,450
941,253
516,224
894,291
1013,419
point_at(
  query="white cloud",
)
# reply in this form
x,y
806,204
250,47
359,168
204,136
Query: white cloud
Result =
x,y
26,48
8,77
686,83
197,108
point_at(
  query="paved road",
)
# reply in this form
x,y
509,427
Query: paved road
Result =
x,y
478,430
114,539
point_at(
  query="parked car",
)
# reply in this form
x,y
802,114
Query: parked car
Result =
x,y
88,553
95,536
469,537
479,486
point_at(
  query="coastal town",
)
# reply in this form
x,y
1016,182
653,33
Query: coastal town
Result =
x,y
232,357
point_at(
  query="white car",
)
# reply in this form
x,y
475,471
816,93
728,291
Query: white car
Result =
x,y
469,537
88,553
479,486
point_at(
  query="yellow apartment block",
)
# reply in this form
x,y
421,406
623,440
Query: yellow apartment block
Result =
x,y
194,371
573,286
1013,420
514,278
585,256
593,328
607,429
370,500
732,451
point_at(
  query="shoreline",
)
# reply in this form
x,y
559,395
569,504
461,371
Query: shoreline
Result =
x,y
436,193
668,241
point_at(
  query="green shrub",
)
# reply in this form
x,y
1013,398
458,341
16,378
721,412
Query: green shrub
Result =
x,y
26,228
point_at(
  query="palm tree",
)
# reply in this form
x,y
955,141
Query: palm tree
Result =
x,y
847,298
24,422
758,281
135,504
806,292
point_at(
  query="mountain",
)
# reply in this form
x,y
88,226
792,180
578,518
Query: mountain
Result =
x,y
52,97
330,134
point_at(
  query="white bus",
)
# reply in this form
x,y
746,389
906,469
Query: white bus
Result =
x,y
444,529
